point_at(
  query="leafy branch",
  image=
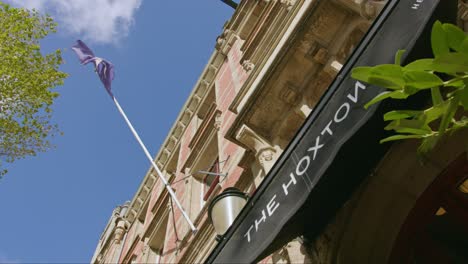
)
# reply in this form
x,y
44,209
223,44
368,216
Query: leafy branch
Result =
x,y
445,76
27,81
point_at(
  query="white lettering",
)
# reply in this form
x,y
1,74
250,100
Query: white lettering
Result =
x,y
316,147
327,129
248,233
416,6
259,221
292,181
299,172
272,205
357,86
339,119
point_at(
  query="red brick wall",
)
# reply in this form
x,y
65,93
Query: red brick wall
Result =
x,y
228,81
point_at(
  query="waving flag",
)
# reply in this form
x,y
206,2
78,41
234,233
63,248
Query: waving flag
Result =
x,y
104,68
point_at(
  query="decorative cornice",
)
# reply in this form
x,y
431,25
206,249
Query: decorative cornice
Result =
x,y
225,41
284,29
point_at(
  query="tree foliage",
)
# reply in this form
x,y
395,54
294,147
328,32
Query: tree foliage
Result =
x,y
27,79
445,75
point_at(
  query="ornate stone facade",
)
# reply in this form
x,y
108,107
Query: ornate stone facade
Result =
x,y
271,64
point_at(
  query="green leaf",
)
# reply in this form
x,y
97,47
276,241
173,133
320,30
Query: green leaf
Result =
x,y
387,82
398,56
361,73
391,70
427,144
464,98
460,124
448,114
455,83
400,137
451,63
388,76
28,77
385,95
436,96
420,65
434,112
464,45
409,90
455,36
413,126
422,79
439,41
401,114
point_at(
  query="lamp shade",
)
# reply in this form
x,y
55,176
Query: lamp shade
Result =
x,y
225,207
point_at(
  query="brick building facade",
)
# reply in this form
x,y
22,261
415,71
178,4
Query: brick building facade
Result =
x,y
271,65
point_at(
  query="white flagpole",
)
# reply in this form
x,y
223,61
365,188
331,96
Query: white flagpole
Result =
x,y
158,171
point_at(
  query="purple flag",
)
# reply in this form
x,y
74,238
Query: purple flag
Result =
x,y
104,68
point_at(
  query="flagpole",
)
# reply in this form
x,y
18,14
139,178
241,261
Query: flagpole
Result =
x,y
158,171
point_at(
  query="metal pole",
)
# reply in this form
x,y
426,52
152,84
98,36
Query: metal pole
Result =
x,y
158,171
230,3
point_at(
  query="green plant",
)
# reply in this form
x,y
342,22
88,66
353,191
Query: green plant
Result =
x,y
445,75
26,81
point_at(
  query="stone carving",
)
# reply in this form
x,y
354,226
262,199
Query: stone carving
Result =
x,y
218,121
265,153
371,8
248,66
221,39
225,40
118,235
288,3
251,139
220,42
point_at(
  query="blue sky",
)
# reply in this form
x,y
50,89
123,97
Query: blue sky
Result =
x,y
55,206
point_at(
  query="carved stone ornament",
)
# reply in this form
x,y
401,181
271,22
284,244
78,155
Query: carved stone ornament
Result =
x,y
371,8
221,40
118,235
248,65
266,155
288,3
218,121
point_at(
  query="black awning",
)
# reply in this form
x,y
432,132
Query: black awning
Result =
x,y
304,173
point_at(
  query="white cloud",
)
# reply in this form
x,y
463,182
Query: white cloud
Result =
x,y
102,21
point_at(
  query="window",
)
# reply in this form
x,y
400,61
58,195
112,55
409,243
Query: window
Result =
x,y
157,239
211,180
